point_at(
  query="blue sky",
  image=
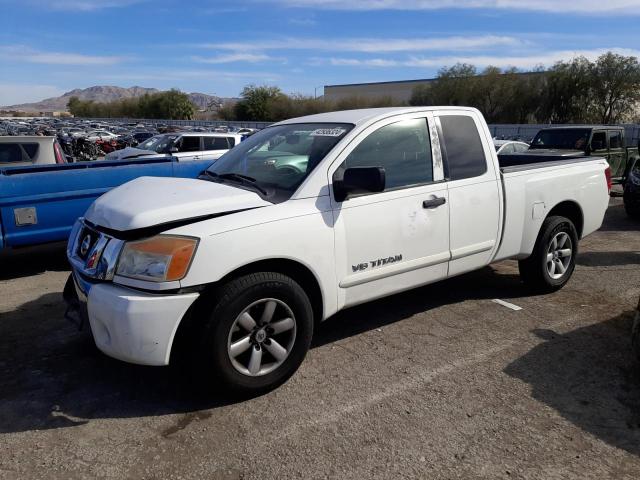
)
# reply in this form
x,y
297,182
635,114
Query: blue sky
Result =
x,y
48,47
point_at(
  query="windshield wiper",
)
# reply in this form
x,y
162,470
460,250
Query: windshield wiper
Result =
x,y
238,177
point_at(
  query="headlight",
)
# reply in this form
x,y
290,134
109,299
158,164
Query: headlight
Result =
x,y
163,258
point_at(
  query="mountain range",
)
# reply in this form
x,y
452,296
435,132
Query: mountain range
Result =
x,y
108,93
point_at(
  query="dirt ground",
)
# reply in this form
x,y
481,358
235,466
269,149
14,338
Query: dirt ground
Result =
x,y
439,382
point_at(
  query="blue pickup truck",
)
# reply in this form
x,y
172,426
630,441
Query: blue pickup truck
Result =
x,y
40,203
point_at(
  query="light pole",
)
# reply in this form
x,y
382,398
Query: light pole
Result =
x,y
315,91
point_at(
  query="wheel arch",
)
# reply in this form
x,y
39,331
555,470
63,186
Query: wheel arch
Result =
x,y
569,209
303,275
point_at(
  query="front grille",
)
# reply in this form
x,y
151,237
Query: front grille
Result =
x,y
86,241
92,253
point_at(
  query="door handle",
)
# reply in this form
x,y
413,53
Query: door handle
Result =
x,y
434,202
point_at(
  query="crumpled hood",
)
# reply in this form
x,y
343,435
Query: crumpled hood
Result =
x,y
149,201
129,152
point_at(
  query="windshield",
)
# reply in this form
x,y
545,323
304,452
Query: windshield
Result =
x,y
278,159
562,139
159,143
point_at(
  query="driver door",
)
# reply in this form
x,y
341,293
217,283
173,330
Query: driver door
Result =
x,y
397,239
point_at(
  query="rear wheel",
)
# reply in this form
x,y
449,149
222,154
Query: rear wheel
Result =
x,y
552,261
257,334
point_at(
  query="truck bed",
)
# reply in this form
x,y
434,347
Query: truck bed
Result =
x,y
521,162
532,189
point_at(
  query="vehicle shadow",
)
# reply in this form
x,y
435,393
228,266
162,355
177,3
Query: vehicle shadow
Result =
x,y
52,376
590,377
607,259
617,220
29,261
486,283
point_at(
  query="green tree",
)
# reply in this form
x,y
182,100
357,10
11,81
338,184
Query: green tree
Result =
x,y
566,96
615,88
255,102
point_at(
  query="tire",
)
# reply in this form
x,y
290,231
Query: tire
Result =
x,y
227,324
547,274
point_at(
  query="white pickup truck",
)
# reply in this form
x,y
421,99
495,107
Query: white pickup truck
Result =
x,y
308,217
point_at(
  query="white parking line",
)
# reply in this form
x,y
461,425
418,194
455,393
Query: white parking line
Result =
x,y
506,304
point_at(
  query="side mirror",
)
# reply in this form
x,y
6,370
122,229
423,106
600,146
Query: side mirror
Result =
x,y
358,180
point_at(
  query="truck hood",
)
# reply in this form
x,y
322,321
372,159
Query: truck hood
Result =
x,y
151,201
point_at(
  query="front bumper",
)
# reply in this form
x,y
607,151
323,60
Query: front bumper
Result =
x,y
130,325
126,323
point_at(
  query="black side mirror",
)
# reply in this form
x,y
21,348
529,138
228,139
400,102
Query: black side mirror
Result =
x,y
358,180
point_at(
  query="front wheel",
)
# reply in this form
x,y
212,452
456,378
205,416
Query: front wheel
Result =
x,y
257,334
553,259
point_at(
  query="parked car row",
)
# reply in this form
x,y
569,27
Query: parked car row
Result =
x,y
83,140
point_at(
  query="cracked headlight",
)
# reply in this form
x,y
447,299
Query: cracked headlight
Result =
x,y
163,258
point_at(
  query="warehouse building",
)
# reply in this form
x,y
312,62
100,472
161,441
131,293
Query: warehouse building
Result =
x,y
399,91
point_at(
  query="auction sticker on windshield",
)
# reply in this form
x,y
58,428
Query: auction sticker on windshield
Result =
x,y
327,132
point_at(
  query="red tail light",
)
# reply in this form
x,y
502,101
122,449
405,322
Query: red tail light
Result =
x,y
607,174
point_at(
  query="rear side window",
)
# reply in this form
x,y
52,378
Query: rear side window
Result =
x,y
31,149
11,152
190,144
403,149
599,141
615,139
216,143
463,147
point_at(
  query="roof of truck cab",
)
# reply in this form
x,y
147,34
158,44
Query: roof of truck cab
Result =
x,y
358,117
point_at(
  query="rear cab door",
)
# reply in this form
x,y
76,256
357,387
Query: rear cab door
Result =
x,y
474,189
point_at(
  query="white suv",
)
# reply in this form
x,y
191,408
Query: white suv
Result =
x,y
184,146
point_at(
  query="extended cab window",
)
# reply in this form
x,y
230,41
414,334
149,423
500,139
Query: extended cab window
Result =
x,y
463,147
403,149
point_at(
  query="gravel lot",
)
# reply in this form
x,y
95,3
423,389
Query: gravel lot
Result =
x,y
439,382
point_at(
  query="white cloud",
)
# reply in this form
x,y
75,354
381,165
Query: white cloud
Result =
x,y
370,45
234,57
554,6
13,93
21,53
302,22
523,62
